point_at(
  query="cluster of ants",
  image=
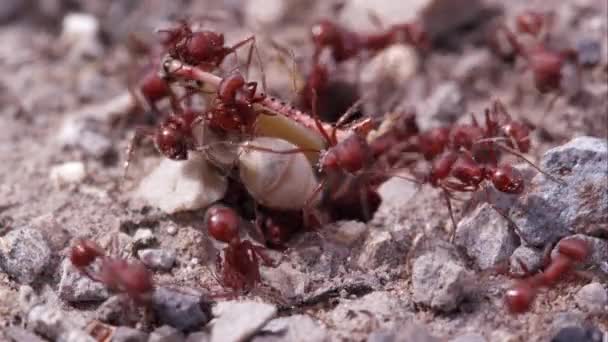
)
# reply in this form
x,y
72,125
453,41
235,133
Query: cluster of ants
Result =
x,y
349,164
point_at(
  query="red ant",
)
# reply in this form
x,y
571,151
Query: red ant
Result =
x,y
546,64
345,44
570,252
204,49
117,274
240,266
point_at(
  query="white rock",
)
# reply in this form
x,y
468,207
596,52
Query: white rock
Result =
x,y
175,186
396,63
264,12
68,173
440,16
592,298
80,32
237,321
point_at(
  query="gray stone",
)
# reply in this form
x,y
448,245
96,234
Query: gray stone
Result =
x,y
199,336
24,254
117,310
366,312
396,191
299,328
19,334
9,10
439,280
598,250
75,287
238,321
166,334
443,107
550,210
592,298
127,334
469,338
158,259
486,237
381,248
76,335
143,238
48,321
185,311
345,233
289,281
404,333
531,257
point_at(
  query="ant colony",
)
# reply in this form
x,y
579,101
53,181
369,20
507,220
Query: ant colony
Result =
x,y
290,172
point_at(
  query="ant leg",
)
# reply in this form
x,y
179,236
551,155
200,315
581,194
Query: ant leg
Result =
x,y
315,116
521,156
449,204
140,134
293,70
343,118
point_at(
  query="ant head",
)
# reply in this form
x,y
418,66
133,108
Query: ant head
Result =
x,y
171,142
433,142
465,135
466,170
84,252
530,22
507,179
153,87
575,249
133,278
229,85
351,154
205,45
519,298
547,68
325,33
223,223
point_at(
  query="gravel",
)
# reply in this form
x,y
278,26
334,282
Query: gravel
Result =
x,y
592,298
75,287
550,210
182,310
578,334
301,328
486,237
24,254
381,248
166,334
439,280
127,334
531,257
239,320
158,259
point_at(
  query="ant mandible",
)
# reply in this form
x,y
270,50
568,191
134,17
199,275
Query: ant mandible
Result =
x,y
520,297
239,268
131,278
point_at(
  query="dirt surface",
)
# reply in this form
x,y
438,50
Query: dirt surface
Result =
x,y
46,87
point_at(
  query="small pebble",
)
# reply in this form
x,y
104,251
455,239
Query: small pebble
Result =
x,y
238,321
159,259
578,334
75,287
143,238
172,230
592,298
67,173
166,334
24,254
127,334
182,310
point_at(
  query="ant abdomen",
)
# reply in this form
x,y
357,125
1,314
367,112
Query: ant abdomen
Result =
x,y
351,155
85,252
223,223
